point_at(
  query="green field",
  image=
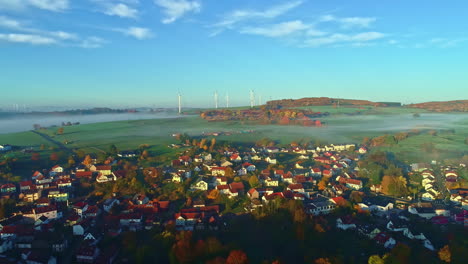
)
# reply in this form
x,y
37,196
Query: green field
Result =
x,y
128,135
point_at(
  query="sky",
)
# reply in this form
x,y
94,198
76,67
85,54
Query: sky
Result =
x,y
127,53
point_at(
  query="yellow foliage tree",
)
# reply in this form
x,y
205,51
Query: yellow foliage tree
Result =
x,y
322,184
445,254
213,195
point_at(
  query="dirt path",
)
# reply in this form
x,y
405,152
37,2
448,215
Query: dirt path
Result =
x,y
60,145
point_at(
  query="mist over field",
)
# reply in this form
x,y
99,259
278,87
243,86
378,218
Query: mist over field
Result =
x,y
341,129
19,123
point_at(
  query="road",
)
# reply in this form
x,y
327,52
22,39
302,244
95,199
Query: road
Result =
x,y
60,145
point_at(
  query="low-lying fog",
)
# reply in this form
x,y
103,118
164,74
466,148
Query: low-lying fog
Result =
x,y
19,123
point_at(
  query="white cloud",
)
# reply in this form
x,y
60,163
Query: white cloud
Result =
x,y
27,38
361,22
51,5
63,35
238,16
121,10
175,9
356,39
6,22
277,30
137,32
315,33
446,43
349,22
91,43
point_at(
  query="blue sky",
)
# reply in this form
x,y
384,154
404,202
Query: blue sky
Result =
x,y
142,52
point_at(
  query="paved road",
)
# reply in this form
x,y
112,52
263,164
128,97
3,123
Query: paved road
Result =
x,y
60,145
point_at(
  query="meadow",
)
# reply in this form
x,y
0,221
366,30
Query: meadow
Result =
x,y
157,133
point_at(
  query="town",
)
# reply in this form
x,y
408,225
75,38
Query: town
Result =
x,y
67,212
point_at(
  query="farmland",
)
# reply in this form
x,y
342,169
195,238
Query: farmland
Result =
x,y
157,133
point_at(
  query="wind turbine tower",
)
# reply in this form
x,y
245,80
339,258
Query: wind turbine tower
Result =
x,y
252,99
216,99
227,100
180,103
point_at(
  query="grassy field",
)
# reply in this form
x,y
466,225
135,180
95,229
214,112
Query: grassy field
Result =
x,y
128,135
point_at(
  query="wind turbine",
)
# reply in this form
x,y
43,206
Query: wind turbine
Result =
x,y
180,103
252,99
227,100
216,99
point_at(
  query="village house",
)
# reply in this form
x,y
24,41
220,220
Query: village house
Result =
x,y
345,223
48,211
250,167
200,185
350,183
101,178
320,206
30,195
295,188
57,195
271,160
235,158
104,170
385,240
5,148
269,182
218,171
8,188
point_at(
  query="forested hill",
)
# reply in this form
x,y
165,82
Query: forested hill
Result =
x,y
446,106
316,101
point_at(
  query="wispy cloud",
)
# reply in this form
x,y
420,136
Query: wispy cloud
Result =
x,y
446,42
354,39
349,22
91,43
136,32
6,22
237,16
50,5
27,38
175,9
35,36
277,30
121,10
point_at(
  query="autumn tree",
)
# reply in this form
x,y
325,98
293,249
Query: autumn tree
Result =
x,y
71,161
202,143
375,259
54,156
60,131
322,261
144,154
35,156
212,145
394,185
445,254
229,172
213,194
183,247
87,160
237,257
253,181
322,184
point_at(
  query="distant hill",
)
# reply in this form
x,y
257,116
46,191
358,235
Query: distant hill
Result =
x,y
319,101
445,106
